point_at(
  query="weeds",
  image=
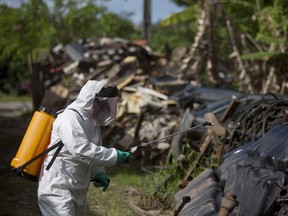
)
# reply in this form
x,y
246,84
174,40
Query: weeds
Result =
x,y
161,186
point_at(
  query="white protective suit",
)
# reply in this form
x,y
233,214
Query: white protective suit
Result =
x,y
62,189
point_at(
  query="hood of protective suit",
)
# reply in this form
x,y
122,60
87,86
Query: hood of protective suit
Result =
x,y
84,101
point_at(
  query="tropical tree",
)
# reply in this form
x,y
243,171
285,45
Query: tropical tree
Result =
x,y
36,26
177,30
242,38
21,29
113,25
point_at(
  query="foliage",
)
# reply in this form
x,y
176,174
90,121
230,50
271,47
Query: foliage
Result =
x,y
242,19
177,30
258,55
258,29
188,14
184,2
17,38
37,25
170,37
113,25
266,21
82,22
273,23
163,183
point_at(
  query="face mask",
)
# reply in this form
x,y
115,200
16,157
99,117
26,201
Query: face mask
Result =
x,y
107,114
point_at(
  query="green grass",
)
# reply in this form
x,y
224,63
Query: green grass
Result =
x,y
109,203
12,98
127,175
125,182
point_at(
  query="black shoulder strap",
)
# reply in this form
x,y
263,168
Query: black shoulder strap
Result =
x,y
19,169
55,155
77,112
61,145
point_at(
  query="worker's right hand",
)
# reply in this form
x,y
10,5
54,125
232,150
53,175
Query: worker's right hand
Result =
x,y
123,156
101,180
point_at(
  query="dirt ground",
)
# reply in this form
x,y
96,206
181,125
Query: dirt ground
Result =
x,y
17,196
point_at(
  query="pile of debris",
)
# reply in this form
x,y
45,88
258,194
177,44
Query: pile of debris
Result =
x,y
152,97
156,103
67,68
251,178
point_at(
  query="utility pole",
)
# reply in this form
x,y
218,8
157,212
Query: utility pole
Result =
x,y
147,21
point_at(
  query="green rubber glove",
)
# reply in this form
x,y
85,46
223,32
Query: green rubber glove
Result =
x,y
101,180
123,156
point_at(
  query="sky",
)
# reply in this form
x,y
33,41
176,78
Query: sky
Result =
x,y
159,8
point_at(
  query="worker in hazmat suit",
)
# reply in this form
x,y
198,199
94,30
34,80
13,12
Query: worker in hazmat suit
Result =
x,y
62,189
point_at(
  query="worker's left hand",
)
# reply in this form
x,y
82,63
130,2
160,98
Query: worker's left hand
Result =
x,y
101,180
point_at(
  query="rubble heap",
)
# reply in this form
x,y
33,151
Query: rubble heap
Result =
x,y
247,139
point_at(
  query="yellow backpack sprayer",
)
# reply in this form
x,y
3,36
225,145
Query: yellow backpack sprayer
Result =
x,y
29,158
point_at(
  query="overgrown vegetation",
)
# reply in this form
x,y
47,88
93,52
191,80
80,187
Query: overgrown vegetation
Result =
x,y
160,186
245,40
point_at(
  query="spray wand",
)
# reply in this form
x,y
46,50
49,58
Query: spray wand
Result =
x,y
133,149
